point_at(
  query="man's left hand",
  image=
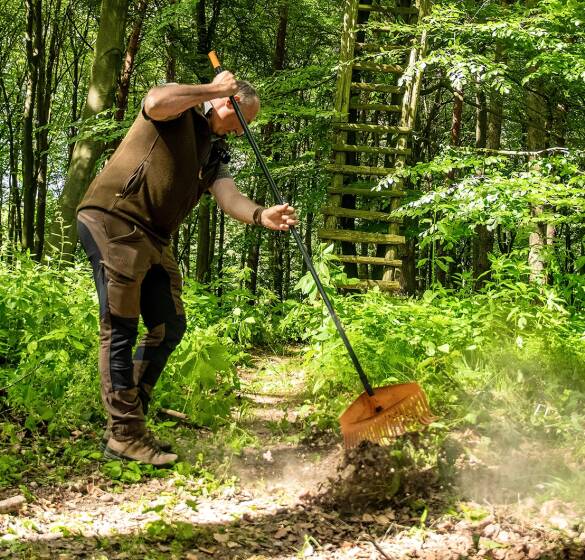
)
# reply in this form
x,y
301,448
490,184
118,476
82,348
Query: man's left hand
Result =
x,y
279,217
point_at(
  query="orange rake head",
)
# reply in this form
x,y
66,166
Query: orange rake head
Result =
x,y
389,413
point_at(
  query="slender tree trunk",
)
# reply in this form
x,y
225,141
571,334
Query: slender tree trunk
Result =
x,y
128,66
456,117
482,241
203,70
14,218
203,239
253,260
44,100
33,52
104,75
76,65
220,251
536,140
212,237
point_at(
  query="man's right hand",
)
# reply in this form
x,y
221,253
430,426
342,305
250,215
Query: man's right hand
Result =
x,y
226,84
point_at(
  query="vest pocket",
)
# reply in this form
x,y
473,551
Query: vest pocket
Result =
x,y
134,183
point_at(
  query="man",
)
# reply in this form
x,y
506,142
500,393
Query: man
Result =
x,y
173,153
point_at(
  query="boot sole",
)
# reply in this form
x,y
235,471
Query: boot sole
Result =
x,y
114,455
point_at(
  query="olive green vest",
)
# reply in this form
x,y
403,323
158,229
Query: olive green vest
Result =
x,y
158,173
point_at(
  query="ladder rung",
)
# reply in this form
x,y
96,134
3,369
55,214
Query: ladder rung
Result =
x,y
376,47
401,10
363,214
358,169
354,236
370,149
378,261
375,67
379,128
368,193
375,107
384,285
385,88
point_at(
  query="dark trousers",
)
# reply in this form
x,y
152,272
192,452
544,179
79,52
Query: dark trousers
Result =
x,y
135,276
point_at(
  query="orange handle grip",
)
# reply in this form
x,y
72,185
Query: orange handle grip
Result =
x,y
214,61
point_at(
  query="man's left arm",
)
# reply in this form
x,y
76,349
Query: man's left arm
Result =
x,y
279,217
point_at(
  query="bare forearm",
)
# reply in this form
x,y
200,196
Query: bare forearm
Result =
x,y
168,101
233,202
278,218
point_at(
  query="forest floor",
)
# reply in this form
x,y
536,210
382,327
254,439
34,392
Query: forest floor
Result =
x,y
278,495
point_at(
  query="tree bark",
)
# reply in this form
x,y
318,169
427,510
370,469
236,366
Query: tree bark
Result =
x,y
536,140
100,97
482,242
203,239
48,67
14,215
220,250
33,52
129,58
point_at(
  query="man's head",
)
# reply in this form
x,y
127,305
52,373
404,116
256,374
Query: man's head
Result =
x,y
224,120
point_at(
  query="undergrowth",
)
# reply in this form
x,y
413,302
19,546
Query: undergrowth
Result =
x,y
509,355
508,360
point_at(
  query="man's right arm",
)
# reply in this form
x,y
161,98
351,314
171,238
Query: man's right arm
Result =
x,y
166,102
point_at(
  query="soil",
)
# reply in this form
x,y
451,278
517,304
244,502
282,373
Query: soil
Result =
x,y
291,498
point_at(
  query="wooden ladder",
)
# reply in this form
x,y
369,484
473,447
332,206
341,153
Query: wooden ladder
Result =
x,y
377,91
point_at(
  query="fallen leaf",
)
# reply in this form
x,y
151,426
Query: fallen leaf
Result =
x,y
281,533
221,537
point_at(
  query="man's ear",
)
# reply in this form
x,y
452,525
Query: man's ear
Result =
x,y
229,101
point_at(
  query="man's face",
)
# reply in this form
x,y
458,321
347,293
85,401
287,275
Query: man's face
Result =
x,y
224,119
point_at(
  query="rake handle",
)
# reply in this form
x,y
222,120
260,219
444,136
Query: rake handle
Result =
x,y
279,198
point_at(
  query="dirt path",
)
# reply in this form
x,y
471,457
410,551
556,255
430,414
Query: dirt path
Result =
x,y
267,511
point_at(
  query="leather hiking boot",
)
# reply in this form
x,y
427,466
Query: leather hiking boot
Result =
x,y
161,444
141,449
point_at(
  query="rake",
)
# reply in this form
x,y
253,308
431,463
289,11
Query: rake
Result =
x,y
379,414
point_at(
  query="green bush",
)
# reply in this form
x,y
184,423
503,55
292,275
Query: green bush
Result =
x,y
513,351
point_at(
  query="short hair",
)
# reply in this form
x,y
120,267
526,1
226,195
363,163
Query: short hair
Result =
x,y
246,92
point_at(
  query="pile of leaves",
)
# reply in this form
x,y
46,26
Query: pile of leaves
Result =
x,y
371,477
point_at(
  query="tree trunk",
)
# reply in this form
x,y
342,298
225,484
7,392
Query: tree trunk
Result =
x,y
49,67
128,66
203,239
220,250
253,260
104,74
212,237
536,140
76,74
456,117
14,217
33,39
481,243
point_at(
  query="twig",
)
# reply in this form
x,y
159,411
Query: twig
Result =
x,y
378,548
183,417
